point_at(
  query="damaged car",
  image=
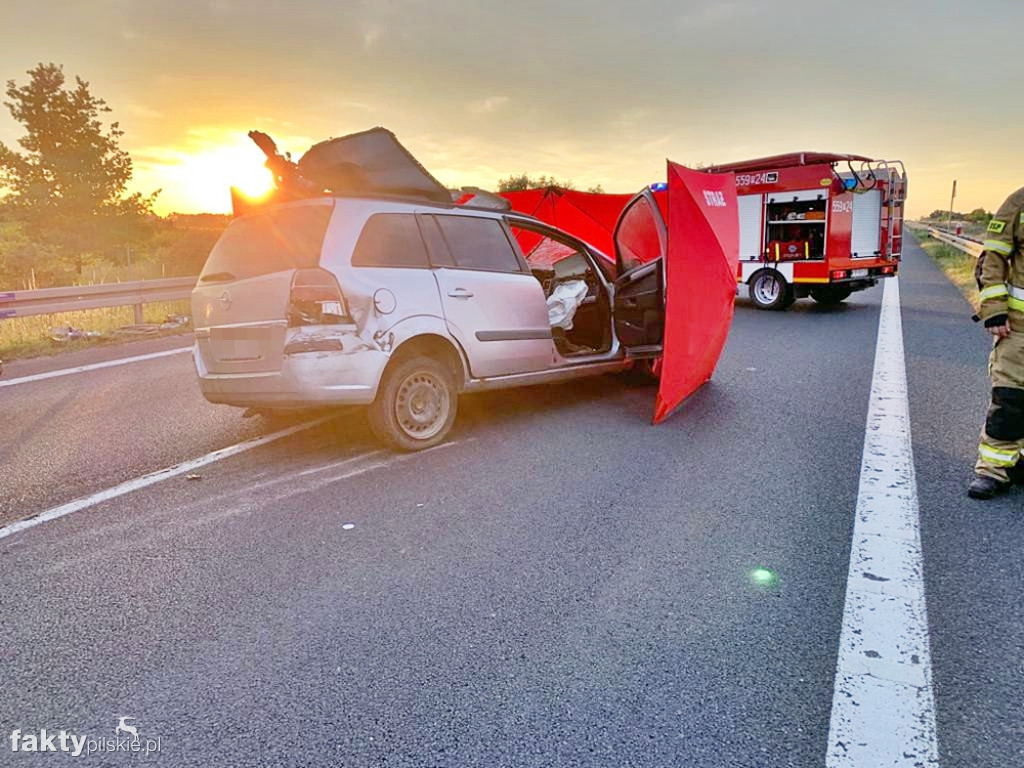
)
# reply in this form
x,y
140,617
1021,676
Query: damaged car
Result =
x,y
364,282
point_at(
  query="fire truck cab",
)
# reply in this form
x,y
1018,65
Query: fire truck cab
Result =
x,y
817,224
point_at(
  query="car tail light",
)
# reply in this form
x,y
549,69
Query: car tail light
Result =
x,y
888,270
839,274
316,299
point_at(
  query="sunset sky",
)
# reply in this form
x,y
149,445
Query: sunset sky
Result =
x,y
595,92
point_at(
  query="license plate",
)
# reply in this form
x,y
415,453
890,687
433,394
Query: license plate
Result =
x,y
859,273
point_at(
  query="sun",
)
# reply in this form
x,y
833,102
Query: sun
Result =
x,y
253,181
205,178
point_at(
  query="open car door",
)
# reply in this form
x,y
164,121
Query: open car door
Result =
x,y
641,240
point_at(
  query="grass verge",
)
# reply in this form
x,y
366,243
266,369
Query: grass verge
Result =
x,y
22,337
958,266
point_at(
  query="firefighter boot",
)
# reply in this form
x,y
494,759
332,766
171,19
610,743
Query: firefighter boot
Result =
x,y
1002,437
1015,474
985,487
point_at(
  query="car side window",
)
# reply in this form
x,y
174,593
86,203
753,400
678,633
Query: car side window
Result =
x,y
478,243
390,240
636,238
436,246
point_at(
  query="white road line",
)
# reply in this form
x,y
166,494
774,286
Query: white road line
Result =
x,y
883,707
93,367
335,464
155,477
312,480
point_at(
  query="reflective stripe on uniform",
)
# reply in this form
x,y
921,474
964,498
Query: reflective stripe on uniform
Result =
x,y
998,246
1015,299
998,456
994,292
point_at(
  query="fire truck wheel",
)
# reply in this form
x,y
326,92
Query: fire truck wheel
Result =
x,y
830,294
769,290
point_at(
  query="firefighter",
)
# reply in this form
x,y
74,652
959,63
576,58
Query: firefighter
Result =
x,y
1000,275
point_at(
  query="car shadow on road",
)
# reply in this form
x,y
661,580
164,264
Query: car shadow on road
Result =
x,y
550,400
809,307
611,403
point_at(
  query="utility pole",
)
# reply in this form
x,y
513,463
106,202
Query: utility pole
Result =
x,y
952,197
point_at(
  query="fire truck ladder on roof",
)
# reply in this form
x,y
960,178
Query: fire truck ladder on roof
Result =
x,y
894,176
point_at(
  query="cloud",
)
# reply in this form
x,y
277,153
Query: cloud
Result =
x,y
141,112
711,15
371,35
488,106
596,92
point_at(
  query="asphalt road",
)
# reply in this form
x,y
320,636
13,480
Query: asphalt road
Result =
x,y
561,584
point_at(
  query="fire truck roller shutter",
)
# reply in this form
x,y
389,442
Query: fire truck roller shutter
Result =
x,y
751,228
867,224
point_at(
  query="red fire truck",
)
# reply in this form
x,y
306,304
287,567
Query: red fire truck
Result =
x,y
817,224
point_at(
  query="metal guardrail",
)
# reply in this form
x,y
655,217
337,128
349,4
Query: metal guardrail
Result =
x,y
966,244
137,292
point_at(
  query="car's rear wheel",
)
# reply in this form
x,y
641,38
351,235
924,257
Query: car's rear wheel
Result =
x,y
415,406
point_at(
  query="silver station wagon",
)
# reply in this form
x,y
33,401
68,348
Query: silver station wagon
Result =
x,y
389,295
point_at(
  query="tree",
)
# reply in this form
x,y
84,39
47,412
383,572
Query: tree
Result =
x,y
67,188
524,181
979,216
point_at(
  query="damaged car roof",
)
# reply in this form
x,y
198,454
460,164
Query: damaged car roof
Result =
x,y
368,163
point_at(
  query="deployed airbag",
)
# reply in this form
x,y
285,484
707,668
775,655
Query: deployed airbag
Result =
x,y
564,301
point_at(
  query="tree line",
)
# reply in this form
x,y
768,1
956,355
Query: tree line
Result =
x,y
977,216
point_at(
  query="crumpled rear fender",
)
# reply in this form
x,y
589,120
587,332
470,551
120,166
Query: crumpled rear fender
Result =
x,y
422,327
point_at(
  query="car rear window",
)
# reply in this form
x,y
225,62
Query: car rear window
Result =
x,y
390,240
478,243
273,241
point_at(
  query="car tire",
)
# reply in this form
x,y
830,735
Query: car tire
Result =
x,y
415,405
769,290
830,295
644,372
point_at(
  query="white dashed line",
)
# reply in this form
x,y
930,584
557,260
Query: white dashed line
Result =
x,y
233,450
883,707
92,367
155,477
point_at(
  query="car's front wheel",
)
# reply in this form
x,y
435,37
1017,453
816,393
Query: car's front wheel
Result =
x,y
769,290
415,406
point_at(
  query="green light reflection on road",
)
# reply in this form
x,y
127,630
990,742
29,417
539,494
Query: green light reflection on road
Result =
x,y
762,577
